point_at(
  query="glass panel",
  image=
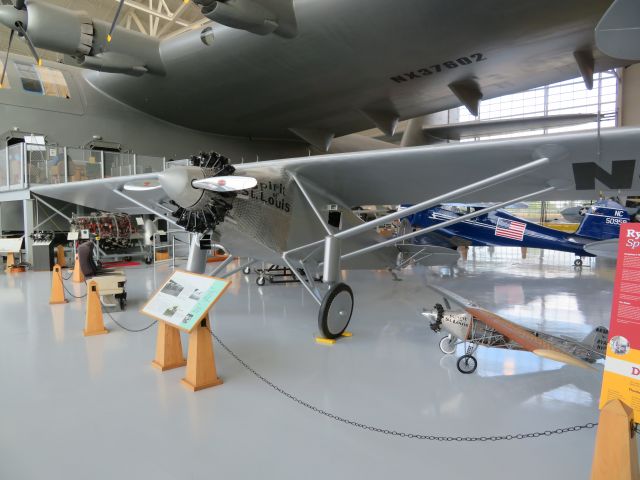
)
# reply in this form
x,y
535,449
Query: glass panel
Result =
x,y
29,78
83,164
37,164
53,82
117,164
148,164
15,166
3,169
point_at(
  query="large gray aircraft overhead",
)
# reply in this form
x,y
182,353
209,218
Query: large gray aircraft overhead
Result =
x,y
271,77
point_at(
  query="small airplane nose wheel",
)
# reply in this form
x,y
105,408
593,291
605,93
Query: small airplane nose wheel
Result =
x,y
577,262
447,345
246,270
335,311
260,281
467,364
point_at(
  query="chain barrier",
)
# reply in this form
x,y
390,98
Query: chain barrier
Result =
x,y
126,328
66,289
416,436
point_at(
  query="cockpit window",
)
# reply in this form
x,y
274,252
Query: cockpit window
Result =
x,y
6,83
43,80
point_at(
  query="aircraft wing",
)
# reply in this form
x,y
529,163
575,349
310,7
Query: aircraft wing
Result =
x,y
526,339
586,163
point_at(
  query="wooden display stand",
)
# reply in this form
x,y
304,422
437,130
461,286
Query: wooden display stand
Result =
x,y
162,255
11,261
77,276
201,363
57,287
168,348
62,261
94,324
616,452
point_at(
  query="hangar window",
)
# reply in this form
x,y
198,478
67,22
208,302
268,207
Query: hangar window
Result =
x,y
6,83
43,80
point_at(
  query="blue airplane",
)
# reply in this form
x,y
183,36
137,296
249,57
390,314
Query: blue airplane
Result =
x,y
601,221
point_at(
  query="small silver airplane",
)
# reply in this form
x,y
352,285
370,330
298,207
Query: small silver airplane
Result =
x,y
297,212
474,326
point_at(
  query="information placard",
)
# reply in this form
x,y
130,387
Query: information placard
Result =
x,y
10,245
622,366
185,298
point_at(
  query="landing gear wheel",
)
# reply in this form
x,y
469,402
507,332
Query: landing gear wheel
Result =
x,y
447,345
260,281
246,270
335,312
148,260
577,262
123,301
467,364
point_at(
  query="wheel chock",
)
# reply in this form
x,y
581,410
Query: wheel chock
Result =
x,y
93,324
77,276
331,341
57,287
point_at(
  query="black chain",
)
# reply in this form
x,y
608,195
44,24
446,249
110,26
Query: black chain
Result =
x,y
129,329
416,436
66,289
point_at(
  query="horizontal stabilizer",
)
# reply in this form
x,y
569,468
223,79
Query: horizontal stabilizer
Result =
x,y
604,249
564,358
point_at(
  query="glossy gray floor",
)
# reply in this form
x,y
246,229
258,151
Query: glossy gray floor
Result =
x,y
76,408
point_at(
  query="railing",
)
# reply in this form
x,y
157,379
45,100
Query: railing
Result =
x,y
25,164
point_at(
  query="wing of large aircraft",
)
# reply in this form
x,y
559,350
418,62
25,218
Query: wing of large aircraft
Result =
x,y
526,339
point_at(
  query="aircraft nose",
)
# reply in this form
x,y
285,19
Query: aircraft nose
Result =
x,y
177,183
10,16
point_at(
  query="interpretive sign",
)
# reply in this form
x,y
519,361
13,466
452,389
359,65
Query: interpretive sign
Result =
x,y
622,365
10,245
185,298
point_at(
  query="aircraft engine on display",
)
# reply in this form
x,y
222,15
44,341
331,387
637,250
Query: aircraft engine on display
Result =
x,y
256,16
199,209
115,231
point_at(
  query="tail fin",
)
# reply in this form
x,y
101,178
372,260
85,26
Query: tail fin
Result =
x,y
602,220
597,340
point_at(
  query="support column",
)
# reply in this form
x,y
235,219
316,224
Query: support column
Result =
x,y
629,106
197,261
28,223
331,265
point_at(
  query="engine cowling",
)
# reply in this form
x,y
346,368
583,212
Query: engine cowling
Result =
x,y
256,16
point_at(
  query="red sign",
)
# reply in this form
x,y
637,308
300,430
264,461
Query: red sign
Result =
x,y
622,366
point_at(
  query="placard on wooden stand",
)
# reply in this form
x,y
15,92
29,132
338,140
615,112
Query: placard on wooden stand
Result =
x,y
183,303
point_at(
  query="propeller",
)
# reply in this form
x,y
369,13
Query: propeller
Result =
x,y
6,59
15,19
115,20
225,183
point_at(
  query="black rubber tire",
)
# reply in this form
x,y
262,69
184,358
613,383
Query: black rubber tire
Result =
x,y
443,350
123,303
325,308
577,262
246,270
467,364
148,260
260,281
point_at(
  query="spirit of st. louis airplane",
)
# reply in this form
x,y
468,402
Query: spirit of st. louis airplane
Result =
x,y
473,326
601,221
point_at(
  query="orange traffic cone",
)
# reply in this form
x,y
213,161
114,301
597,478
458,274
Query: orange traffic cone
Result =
x,y
93,324
57,287
78,276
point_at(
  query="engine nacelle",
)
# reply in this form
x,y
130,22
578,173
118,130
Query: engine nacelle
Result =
x,y
58,29
256,16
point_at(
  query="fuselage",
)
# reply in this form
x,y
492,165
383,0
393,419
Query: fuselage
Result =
x,y
357,58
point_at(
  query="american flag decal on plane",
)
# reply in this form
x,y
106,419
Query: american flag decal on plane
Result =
x,y
510,229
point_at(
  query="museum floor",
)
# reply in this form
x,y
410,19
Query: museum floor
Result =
x,y
93,408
